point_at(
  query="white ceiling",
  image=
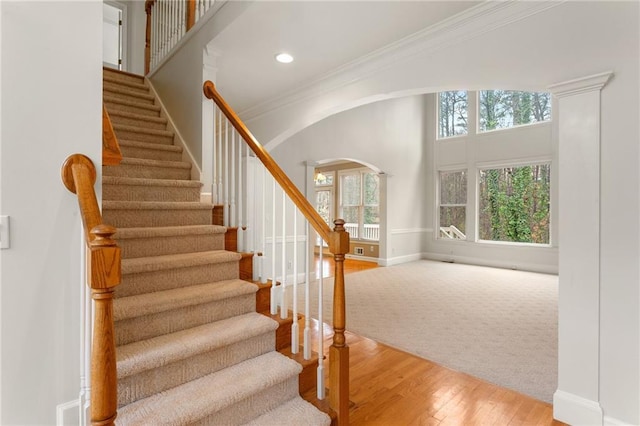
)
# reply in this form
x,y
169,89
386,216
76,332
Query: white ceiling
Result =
x,y
322,36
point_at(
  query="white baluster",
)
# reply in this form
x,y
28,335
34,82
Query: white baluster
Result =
x,y
274,308
320,391
226,173
307,305
284,312
242,225
220,193
295,342
154,34
214,167
232,184
263,227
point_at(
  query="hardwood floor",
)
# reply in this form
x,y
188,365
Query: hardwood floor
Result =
x,y
390,387
350,266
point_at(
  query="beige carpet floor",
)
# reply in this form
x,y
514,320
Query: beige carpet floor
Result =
x,y
496,324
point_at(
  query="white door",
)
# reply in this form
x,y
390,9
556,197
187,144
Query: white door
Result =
x,y
112,17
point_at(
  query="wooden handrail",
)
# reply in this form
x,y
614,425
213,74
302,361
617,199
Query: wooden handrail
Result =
x,y
111,154
79,176
279,175
338,241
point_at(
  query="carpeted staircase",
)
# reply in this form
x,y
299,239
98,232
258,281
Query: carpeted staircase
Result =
x,y
191,348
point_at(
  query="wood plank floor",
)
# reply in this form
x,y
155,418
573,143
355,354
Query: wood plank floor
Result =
x,y
390,387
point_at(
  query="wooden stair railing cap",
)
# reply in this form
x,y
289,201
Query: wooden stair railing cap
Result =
x,y
279,175
67,170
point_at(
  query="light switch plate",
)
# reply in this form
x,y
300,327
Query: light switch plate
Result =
x,y
4,232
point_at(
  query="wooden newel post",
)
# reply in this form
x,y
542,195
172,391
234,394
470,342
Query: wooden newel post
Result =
x,y
339,351
105,275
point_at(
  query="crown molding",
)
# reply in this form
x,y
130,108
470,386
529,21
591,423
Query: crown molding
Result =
x,y
483,18
581,85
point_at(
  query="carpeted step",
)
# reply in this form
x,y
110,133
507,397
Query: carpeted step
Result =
x,y
135,214
139,120
121,76
149,169
235,395
150,151
127,94
296,412
109,82
136,189
142,134
157,273
149,315
116,104
142,242
155,365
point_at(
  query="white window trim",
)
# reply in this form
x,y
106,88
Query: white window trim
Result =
x,y
449,169
338,181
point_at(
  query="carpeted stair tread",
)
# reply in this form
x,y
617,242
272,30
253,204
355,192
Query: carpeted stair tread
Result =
x,y
117,90
198,399
149,145
127,103
154,205
163,350
173,261
161,301
296,412
140,120
122,75
168,231
143,130
128,161
120,180
135,85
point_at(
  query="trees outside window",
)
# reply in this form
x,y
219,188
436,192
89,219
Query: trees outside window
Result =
x,y
501,109
514,204
453,204
360,204
452,113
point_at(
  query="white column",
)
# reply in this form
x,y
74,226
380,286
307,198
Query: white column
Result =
x,y
209,71
577,399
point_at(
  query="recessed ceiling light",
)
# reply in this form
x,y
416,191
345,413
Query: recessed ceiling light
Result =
x,y
284,58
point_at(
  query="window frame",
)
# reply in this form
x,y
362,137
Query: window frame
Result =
x,y
513,164
437,127
361,171
439,204
479,131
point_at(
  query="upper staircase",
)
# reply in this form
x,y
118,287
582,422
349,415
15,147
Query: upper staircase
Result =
x,y
190,347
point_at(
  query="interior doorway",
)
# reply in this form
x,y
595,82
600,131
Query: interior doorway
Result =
x,y
113,17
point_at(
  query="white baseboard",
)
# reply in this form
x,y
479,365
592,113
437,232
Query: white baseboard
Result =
x,y
363,258
610,421
494,263
576,410
68,413
400,259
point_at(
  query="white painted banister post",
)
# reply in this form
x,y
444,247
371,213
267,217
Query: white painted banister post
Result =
x,y
295,342
283,286
320,377
274,307
307,296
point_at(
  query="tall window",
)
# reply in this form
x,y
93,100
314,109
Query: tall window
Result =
x,y
453,205
324,198
501,109
452,113
514,204
360,204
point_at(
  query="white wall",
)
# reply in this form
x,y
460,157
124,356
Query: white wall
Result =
x,y
388,135
136,29
528,45
51,108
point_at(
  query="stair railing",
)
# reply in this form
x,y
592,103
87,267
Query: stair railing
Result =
x,y
167,22
79,177
248,189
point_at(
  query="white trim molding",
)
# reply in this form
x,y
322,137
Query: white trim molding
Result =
x,y
577,398
68,413
399,231
400,259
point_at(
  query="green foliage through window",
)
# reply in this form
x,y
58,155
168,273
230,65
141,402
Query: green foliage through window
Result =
x,y
514,204
501,109
453,203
